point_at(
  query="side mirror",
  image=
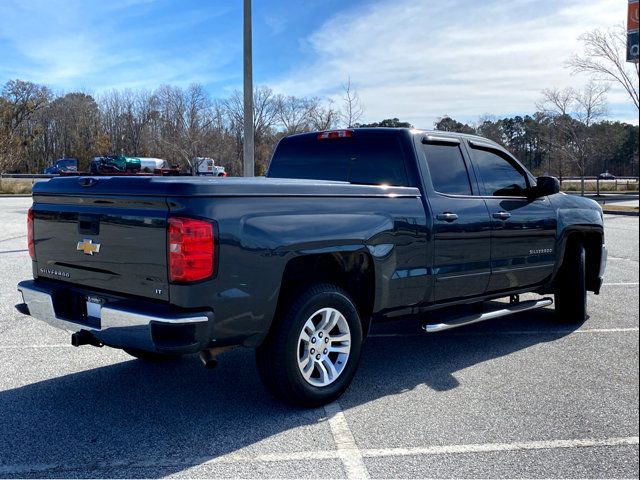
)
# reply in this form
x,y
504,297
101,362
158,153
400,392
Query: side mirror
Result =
x,y
546,186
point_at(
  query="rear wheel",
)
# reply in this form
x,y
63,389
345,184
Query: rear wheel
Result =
x,y
571,291
311,356
151,357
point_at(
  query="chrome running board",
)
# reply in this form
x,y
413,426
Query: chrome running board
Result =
x,y
481,317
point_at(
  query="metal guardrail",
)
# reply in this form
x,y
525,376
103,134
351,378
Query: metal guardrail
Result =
x,y
573,179
27,176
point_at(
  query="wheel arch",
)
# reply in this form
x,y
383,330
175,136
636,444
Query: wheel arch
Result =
x,y
353,271
592,238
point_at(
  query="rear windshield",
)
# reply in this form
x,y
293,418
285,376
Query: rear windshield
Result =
x,y
362,160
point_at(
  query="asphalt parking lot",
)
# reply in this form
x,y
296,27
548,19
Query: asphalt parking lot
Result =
x,y
517,397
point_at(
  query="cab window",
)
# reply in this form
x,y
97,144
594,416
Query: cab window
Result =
x,y
367,160
500,176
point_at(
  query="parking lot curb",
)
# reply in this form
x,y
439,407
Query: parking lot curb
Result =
x,y
620,212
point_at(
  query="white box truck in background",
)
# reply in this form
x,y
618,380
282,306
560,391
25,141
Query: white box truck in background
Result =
x,y
207,166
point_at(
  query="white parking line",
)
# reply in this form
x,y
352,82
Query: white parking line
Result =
x,y
345,443
622,284
22,347
622,259
356,472
500,447
607,330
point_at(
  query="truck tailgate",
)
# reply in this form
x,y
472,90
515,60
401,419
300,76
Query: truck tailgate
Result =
x,y
115,243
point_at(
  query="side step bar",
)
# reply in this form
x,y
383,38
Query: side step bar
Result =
x,y
481,317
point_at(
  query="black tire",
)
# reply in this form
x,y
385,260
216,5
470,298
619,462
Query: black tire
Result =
x,y
151,357
571,291
277,357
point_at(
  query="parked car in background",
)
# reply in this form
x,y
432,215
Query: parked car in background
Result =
x,y
607,176
64,165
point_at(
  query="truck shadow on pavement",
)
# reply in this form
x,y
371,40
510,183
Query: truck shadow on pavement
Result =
x,y
132,419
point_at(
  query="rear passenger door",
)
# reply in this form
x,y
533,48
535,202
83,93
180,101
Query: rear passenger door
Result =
x,y
461,222
523,228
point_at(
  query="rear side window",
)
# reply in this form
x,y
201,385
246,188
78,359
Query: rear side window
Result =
x,y
500,177
361,160
447,169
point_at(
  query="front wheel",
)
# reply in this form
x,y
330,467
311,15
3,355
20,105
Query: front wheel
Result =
x,y
571,291
310,357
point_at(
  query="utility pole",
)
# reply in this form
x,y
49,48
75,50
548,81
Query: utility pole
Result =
x,y
248,94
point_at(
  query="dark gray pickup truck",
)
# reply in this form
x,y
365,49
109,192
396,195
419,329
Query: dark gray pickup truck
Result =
x,y
349,227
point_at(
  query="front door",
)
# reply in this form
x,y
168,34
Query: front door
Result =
x,y
523,229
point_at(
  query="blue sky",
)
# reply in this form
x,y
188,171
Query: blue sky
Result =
x,y
412,59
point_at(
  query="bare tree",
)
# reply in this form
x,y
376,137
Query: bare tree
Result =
x,y
293,113
264,109
322,117
75,126
605,59
572,113
185,118
20,101
112,109
591,102
138,112
556,101
125,119
265,114
353,109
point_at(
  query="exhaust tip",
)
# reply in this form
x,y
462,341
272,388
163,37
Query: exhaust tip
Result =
x,y
208,359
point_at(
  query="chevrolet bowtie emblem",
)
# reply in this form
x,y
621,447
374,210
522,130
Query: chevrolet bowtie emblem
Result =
x,y
88,247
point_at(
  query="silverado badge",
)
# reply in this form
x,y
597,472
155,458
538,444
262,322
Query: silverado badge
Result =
x,y
88,247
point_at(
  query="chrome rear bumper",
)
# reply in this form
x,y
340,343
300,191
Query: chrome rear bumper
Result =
x,y
119,326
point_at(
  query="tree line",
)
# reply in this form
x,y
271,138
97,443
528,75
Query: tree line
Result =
x,y
174,123
567,136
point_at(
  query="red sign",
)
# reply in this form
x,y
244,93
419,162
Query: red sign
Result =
x,y
632,15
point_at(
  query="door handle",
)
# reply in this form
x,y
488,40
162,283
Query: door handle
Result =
x,y
447,217
502,215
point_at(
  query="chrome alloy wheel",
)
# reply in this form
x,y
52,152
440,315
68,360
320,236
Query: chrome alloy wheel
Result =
x,y
323,347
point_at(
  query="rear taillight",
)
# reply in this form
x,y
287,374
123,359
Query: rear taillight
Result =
x,y
191,249
32,250
331,134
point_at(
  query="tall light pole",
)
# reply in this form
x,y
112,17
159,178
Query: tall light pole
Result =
x,y
248,94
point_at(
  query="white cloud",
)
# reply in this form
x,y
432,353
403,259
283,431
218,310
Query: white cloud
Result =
x,y
66,44
421,60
